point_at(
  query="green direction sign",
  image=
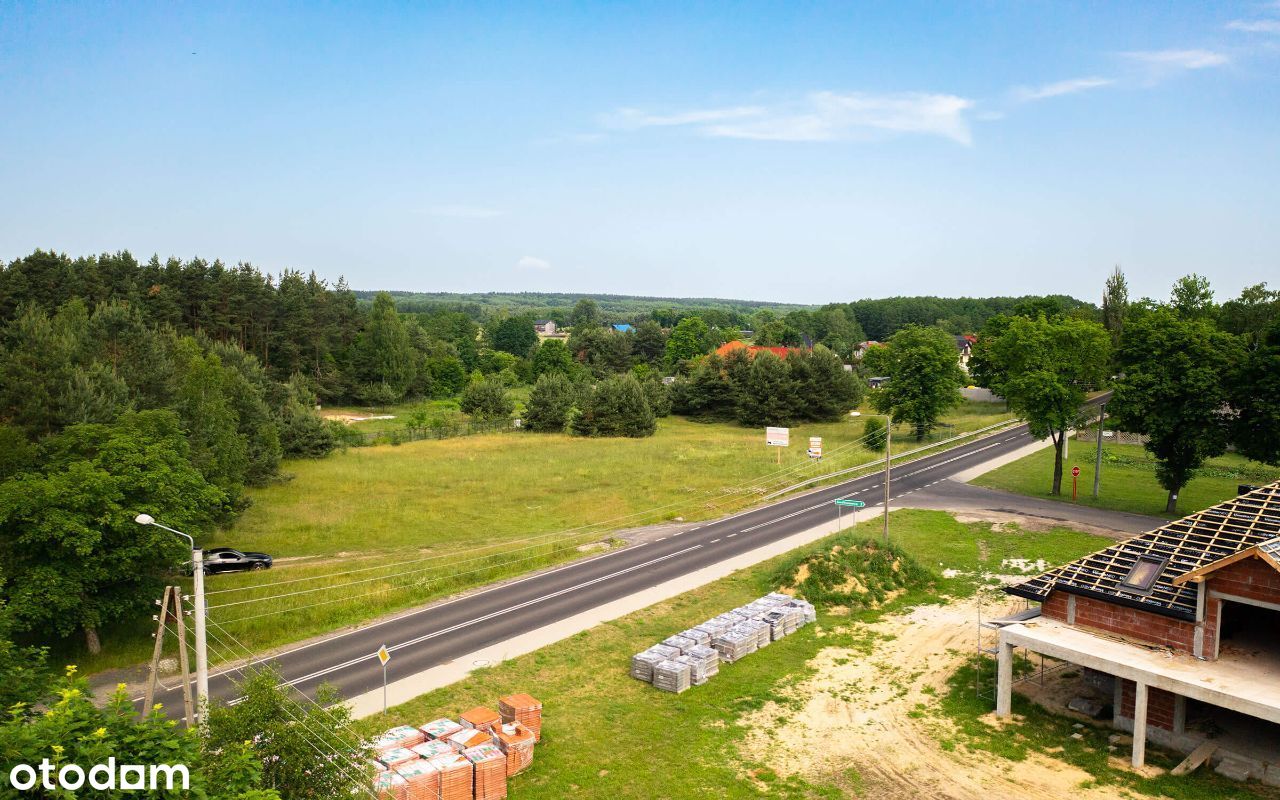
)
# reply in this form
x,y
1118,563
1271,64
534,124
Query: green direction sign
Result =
x,y
851,503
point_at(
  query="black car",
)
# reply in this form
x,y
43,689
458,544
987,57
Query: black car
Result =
x,y
224,559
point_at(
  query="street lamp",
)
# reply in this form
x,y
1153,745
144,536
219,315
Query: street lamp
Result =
x,y
197,575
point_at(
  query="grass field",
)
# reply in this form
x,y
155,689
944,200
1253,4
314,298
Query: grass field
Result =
x,y
607,735
1128,479
416,522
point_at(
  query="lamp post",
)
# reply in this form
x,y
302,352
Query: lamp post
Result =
x,y
202,651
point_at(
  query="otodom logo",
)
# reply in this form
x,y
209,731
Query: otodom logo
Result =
x,y
120,777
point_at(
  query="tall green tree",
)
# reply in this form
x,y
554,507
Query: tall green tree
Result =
x,y
1251,313
552,356
1115,304
924,378
586,314
1256,399
1192,297
1043,368
767,397
383,353
687,342
616,406
1174,390
73,555
651,343
822,389
514,335
550,403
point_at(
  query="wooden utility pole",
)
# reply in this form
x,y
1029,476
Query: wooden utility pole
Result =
x,y
171,604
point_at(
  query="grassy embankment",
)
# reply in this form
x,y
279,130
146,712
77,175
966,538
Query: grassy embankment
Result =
x,y
427,519
607,735
1128,479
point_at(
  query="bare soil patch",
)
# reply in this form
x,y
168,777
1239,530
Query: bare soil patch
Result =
x,y
868,712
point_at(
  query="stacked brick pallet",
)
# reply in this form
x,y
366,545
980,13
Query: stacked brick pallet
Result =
x,y
525,710
726,637
466,760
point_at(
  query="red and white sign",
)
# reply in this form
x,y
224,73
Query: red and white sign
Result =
x,y
1075,472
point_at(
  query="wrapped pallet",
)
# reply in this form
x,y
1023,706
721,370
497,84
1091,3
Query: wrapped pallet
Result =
x,y
526,710
666,650
642,665
433,748
480,718
440,728
708,656
734,644
697,669
468,737
697,635
455,776
422,780
516,741
390,786
403,736
396,756
490,781
672,676
679,643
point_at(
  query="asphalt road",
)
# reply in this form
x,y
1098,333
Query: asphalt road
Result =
x,y
438,633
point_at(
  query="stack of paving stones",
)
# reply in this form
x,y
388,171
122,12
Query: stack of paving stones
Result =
x,y
672,676
422,779
725,637
455,777
490,771
517,742
389,785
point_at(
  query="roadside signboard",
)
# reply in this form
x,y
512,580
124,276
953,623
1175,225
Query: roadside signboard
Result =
x,y
851,503
1075,472
384,655
777,437
815,447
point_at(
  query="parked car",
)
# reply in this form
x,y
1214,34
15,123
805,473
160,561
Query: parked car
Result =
x,y
225,559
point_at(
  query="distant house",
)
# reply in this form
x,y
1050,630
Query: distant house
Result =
x,y
737,344
546,327
876,383
863,347
1175,630
964,344
623,327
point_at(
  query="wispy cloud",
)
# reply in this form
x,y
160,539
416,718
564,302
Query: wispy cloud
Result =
x,y
463,212
1028,94
1172,60
530,262
1255,25
632,118
824,117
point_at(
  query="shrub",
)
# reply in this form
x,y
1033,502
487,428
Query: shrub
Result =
x,y
487,400
615,407
874,432
550,403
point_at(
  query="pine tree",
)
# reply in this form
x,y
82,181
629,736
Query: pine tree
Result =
x,y
550,403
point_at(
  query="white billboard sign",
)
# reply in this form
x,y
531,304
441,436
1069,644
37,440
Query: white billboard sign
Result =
x,y
777,437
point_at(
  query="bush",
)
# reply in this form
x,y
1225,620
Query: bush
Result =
x,y
873,431
550,403
303,434
487,400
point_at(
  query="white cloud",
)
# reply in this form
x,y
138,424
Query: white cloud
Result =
x,y
463,212
631,118
1171,60
1255,25
1029,93
530,262
824,117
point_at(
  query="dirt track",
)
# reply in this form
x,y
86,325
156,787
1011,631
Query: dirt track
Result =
x,y
856,715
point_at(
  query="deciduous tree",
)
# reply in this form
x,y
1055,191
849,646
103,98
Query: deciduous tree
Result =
x,y
924,377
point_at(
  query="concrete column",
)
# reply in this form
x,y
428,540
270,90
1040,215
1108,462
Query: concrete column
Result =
x,y
1140,724
1004,678
1179,714
1117,702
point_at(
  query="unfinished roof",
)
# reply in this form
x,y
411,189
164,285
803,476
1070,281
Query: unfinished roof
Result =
x,y
1188,545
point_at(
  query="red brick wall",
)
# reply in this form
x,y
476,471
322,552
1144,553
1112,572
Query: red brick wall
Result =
x,y
1129,622
1159,705
1251,578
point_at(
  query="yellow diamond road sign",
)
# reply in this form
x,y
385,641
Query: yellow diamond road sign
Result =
x,y
384,655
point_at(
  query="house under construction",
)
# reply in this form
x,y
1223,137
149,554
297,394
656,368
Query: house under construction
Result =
x,y
1179,622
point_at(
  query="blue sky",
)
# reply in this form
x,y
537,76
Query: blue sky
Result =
x,y
807,152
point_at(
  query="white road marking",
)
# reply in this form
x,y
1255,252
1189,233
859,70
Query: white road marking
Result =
x,y
730,536
498,613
